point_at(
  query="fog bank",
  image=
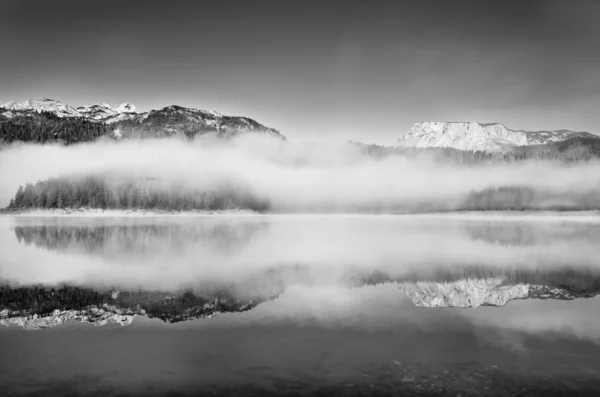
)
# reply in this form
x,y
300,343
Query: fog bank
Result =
x,y
293,176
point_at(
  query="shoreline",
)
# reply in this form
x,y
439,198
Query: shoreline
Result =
x,y
583,215
98,212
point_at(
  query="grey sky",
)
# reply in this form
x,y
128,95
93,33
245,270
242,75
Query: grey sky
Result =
x,y
361,70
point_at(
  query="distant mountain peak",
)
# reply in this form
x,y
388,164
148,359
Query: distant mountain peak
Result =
x,y
107,113
43,104
170,120
476,136
126,107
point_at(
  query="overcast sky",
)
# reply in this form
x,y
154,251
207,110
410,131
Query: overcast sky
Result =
x,y
361,70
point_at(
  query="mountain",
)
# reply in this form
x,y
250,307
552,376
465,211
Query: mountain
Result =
x,y
473,136
108,114
39,105
173,120
45,119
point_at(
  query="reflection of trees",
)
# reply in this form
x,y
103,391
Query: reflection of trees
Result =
x,y
138,238
570,279
504,233
168,306
529,234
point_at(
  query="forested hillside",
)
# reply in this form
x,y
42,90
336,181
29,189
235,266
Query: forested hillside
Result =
x,y
46,127
41,125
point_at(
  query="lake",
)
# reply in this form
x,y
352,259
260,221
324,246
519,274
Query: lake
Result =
x,y
477,304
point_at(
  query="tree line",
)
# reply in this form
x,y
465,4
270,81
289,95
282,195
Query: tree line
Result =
x,y
568,151
142,193
522,198
47,127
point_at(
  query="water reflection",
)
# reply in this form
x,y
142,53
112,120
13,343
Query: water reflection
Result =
x,y
341,316
114,240
170,253
319,340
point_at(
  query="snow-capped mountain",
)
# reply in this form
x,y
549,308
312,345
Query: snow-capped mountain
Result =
x,y
39,105
473,136
169,120
108,114
178,119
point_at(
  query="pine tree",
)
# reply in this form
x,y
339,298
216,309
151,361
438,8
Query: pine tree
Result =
x,y
19,197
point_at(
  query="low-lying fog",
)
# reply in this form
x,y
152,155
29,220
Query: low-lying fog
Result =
x,y
293,176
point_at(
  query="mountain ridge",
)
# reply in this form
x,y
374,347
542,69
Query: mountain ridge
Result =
x,y
123,121
476,136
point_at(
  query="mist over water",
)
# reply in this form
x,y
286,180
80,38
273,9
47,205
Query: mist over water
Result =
x,y
292,176
333,312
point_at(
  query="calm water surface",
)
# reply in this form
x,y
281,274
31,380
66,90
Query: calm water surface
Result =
x,y
330,327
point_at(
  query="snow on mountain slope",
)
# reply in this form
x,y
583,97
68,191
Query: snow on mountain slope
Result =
x,y
98,112
177,119
172,119
39,105
475,136
107,113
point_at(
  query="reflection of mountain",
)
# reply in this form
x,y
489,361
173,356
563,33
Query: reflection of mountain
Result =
x,y
112,240
482,292
475,286
43,307
233,263
463,293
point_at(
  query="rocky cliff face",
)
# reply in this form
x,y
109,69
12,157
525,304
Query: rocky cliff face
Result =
x,y
475,136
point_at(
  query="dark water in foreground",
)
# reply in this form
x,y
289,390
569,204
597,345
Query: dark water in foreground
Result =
x,y
333,329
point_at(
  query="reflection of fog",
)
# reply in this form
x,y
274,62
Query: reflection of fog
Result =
x,y
270,253
134,238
